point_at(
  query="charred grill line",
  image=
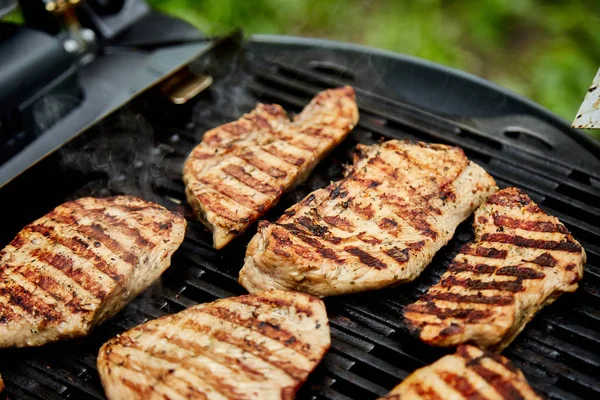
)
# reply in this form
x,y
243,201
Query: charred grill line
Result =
x,y
480,251
49,285
473,284
214,382
567,245
112,221
97,232
231,362
503,386
520,272
536,226
323,232
80,248
366,258
285,157
325,252
64,264
241,175
339,223
151,371
471,315
545,260
256,162
462,385
400,255
483,269
255,348
231,193
501,300
31,304
315,229
258,301
218,209
265,328
426,393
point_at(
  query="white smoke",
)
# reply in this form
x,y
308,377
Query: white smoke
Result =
x,y
50,108
118,156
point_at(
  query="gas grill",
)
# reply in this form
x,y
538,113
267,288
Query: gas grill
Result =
x,y
139,149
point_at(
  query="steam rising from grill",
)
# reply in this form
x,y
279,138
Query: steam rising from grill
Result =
x,y
121,158
122,155
50,109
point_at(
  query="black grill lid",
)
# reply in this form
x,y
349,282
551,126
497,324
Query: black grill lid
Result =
x,y
147,142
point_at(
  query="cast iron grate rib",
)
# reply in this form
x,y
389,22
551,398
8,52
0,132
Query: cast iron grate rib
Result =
x,y
371,350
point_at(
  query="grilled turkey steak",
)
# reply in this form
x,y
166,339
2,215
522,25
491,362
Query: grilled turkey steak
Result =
x,y
240,169
470,374
80,264
259,346
379,226
521,260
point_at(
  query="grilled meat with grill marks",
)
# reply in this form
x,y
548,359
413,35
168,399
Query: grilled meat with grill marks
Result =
x,y
80,264
259,346
471,374
521,260
240,169
378,227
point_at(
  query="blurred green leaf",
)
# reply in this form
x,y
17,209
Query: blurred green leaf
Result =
x,y
15,17
546,50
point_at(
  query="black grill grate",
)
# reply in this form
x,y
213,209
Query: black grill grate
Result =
x,y
141,150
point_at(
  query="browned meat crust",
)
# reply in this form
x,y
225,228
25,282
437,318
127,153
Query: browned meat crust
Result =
x,y
80,264
248,347
240,169
378,227
521,260
470,374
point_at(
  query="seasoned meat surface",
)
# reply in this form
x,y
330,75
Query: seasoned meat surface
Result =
x,y
259,346
80,264
521,260
240,169
380,226
470,374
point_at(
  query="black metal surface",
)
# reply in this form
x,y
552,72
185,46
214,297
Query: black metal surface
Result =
x,y
38,87
140,151
110,81
156,30
20,72
109,18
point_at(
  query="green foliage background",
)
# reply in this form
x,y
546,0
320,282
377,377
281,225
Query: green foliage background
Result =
x,y
547,50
